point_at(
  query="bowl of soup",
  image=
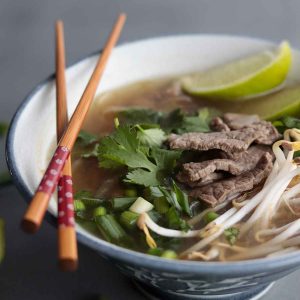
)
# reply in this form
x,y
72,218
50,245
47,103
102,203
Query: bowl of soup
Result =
x,y
193,197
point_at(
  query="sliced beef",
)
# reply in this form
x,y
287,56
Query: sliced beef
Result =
x,y
237,121
239,162
230,142
209,178
226,189
217,124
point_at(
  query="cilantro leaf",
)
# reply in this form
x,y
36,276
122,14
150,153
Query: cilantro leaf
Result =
x,y
151,137
175,121
92,153
85,138
142,177
175,221
176,197
286,122
172,121
199,123
135,116
147,166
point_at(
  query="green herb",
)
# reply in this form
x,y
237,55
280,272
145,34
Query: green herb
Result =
x,y
5,179
210,216
155,251
87,198
129,219
175,121
3,129
176,197
161,205
130,192
135,116
121,203
147,166
112,230
91,153
231,235
175,221
152,192
85,138
79,205
152,137
169,254
286,122
199,123
2,239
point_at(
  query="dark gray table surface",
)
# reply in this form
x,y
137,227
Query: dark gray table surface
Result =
x,y
26,57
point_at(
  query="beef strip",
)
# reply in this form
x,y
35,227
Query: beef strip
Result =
x,y
230,142
209,178
226,189
239,163
237,121
217,124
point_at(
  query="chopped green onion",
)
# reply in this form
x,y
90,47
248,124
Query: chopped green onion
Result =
x,y
129,219
130,193
169,254
79,205
155,251
86,197
231,235
122,203
99,211
2,240
161,205
175,221
112,230
141,206
210,216
84,215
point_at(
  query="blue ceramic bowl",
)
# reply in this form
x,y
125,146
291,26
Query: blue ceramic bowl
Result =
x,y
31,140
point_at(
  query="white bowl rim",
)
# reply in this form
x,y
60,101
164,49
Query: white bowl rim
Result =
x,y
130,257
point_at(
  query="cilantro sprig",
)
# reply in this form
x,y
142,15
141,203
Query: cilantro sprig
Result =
x,y
147,165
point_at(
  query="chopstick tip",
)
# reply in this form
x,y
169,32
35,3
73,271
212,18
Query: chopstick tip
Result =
x,y
59,23
29,226
68,265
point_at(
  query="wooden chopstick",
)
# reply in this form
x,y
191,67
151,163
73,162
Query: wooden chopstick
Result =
x,y
38,206
67,244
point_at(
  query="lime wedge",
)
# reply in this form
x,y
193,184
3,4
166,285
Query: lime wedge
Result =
x,y
285,102
244,77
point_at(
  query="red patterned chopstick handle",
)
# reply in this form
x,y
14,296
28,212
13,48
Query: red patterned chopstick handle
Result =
x,y
52,174
37,208
65,202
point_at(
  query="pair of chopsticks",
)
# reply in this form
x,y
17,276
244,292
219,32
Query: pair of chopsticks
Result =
x,y
59,168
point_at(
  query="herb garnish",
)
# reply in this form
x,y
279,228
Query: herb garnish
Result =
x,y
147,166
231,235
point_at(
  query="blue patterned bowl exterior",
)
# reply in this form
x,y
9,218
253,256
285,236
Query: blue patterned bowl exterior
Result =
x,y
163,278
